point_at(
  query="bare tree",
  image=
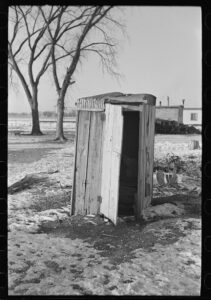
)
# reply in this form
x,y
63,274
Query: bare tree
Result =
x,y
29,52
76,32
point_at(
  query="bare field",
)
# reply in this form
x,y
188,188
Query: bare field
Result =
x,y
53,253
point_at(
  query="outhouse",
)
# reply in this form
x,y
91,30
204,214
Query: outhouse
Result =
x,y
114,149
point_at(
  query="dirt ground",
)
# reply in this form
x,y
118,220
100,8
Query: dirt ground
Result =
x,y
53,253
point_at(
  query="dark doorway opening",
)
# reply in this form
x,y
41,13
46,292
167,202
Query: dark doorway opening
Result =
x,y
129,164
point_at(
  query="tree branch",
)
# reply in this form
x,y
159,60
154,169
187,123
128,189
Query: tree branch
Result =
x,y
20,75
41,51
98,43
15,27
24,41
43,68
26,25
55,76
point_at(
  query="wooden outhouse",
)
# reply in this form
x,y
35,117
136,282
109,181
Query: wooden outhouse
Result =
x,y
114,149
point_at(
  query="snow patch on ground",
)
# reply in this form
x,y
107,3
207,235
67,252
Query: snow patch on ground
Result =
x,y
41,264
162,210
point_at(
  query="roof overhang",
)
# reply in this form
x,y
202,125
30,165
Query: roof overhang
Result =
x,y
97,102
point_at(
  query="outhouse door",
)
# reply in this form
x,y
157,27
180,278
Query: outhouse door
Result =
x,y
111,159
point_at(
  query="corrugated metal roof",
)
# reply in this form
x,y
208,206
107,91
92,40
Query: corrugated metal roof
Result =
x,y
120,98
100,96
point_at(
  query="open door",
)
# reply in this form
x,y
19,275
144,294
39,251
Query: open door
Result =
x,y
112,146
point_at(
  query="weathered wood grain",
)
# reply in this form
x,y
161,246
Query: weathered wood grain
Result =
x,y
90,104
73,199
97,161
117,133
132,107
93,188
151,150
141,165
106,163
148,159
111,161
81,161
145,161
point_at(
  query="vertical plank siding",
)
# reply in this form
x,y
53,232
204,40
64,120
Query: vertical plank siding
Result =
x,y
73,199
141,164
98,148
106,164
82,161
88,163
150,155
148,160
94,167
146,152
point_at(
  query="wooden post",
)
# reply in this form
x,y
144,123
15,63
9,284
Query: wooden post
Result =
x,y
194,145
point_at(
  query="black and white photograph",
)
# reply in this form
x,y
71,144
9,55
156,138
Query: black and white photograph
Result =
x,y
104,150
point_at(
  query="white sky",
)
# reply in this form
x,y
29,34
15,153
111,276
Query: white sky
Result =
x,y
162,57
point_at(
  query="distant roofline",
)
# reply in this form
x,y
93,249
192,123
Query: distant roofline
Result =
x,y
177,106
164,106
191,108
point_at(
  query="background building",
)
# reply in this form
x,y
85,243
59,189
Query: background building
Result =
x,y
192,116
172,113
180,114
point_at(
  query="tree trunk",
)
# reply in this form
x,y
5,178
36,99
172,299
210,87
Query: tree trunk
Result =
x,y
60,116
35,115
35,122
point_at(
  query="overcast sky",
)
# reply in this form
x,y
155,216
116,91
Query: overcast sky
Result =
x,y
162,57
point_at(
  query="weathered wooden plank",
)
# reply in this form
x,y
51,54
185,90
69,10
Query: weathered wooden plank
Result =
x,y
148,159
141,165
73,199
90,104
146,153
132,107
94,167
151,150
149,144
81,162
106,164
115,162
111,161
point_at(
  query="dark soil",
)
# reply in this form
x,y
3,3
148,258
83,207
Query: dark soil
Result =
x,y
117,242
